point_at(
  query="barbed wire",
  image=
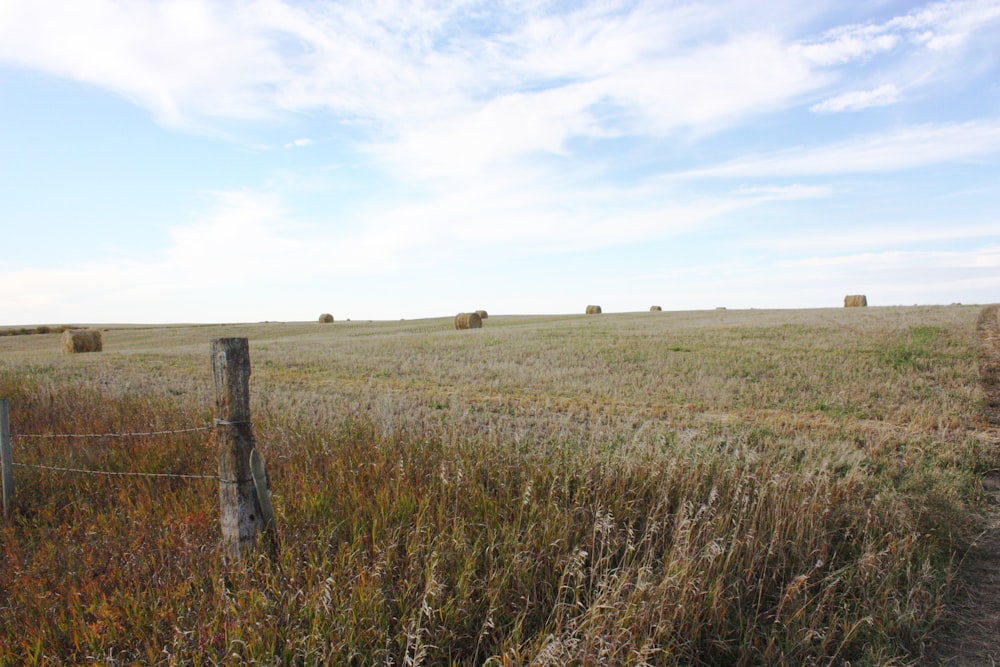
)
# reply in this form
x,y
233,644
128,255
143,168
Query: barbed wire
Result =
x,y
121,473
114,473
111,435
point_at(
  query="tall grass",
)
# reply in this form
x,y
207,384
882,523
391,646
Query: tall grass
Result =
x,y
727,518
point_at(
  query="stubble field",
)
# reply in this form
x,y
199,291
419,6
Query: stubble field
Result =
x,y
697,488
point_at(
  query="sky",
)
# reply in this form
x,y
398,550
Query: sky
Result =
x,y
270,160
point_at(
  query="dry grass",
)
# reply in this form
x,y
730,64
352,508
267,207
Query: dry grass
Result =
x,y
593,310
706,488
326,318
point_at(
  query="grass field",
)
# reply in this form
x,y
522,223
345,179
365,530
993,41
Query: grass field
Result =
x,y
696,488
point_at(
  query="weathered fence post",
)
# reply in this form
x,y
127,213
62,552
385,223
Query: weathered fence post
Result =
x,y
6,463
241,516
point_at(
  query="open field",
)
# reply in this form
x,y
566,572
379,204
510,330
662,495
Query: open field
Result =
x,y
707,488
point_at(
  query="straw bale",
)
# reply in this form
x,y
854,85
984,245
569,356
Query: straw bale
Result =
x,y
655,309
468,321
593,310
326,318
82,340
855,301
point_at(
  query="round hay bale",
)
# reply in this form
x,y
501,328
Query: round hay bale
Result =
x,y
655,309
855,301
82,340
468,321
326,318
593,310
482,314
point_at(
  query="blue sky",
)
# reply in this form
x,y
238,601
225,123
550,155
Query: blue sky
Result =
x,y
198,161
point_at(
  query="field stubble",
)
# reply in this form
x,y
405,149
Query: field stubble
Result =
x,y
714,488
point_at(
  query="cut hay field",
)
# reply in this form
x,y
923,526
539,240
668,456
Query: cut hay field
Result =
x,y
663,488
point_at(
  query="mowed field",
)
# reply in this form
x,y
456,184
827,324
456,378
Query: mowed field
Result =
x,y
668,488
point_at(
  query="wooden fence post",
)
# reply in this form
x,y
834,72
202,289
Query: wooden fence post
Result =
x,y
241,516
6,463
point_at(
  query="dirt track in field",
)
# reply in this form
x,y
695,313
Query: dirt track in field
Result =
x,y
970,636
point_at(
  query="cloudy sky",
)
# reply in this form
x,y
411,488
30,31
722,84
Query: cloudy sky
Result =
x,y
200,161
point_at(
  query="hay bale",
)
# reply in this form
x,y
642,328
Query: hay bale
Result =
x,y
468,321
326,318
655,309
482,314
82,340
593,310
855,301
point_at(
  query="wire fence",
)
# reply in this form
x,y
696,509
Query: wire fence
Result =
x,y
111,435
231,370
122,473
117,473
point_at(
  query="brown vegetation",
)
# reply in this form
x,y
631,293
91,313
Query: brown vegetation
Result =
x,y
28,331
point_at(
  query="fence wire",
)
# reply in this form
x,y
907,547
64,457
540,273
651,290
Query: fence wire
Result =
x,y
112,473
117,473
111,435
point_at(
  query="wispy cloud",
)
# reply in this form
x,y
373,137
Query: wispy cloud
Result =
x,y
426,79
881,236
847,43
936,26
944,25
902,149
859,99
985,258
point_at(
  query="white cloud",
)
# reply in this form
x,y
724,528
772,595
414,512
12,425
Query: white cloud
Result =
x,y
408,70
881,236
245,234
847,43
859,99
944,25
937,26
299,143
906,148
440,97
983,258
